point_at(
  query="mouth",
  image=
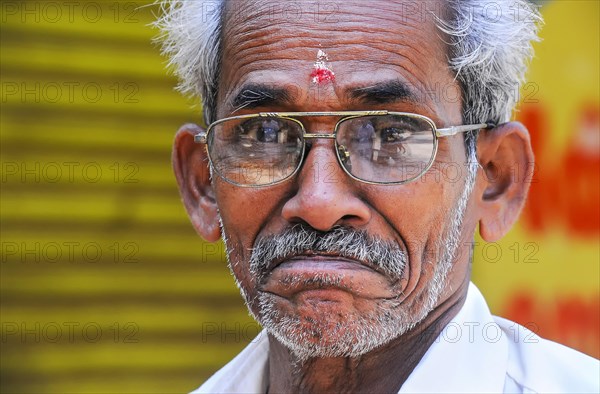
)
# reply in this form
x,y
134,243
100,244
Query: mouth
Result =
x,y
324,276
322,261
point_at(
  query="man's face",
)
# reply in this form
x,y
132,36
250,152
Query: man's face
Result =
x,y
293,247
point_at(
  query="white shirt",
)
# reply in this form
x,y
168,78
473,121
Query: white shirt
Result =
x,y
475,353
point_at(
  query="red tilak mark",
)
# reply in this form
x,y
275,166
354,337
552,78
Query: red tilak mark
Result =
x,y
322,74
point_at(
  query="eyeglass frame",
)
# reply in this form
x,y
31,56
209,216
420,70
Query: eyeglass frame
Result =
x,y
202,137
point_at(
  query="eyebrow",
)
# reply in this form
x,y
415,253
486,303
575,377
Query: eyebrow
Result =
x,y
383,92
259,95
256,95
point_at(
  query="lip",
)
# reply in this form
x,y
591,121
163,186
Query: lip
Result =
x,y
323,275
324,261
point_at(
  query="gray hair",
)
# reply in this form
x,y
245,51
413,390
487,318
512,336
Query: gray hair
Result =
x,y
489,53
490,45
191,40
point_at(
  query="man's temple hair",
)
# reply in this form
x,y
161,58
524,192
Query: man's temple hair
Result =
x,y
489,48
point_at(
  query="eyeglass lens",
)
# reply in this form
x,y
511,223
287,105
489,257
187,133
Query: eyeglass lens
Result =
x,y
265,150
385,149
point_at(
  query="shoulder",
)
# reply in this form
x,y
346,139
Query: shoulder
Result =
x,y
542,366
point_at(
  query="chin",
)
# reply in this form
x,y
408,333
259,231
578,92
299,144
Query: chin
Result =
x,y
326,331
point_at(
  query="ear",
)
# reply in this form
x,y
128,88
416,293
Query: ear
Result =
x,y
507,160
190,164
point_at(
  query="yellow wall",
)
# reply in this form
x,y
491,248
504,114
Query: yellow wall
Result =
x,y
87,121
547,273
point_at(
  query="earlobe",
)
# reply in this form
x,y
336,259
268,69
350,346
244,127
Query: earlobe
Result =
x,y
507,160
191,167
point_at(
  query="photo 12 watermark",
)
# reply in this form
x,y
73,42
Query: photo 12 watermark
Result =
x,y
69,332
28,12
69,172
115,252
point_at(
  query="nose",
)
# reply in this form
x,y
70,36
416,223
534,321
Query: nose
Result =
x,y
325,195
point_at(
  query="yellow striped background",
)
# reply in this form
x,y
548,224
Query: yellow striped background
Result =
x,y
135,302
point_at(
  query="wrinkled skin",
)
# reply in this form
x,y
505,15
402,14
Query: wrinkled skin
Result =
x,y
367,43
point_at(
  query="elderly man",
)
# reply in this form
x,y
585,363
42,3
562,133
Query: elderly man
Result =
x,y
325,169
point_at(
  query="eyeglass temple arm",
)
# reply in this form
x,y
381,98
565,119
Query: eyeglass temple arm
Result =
x,y
453,130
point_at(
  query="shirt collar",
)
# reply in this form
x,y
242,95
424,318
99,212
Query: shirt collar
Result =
x,y
469,355
248,372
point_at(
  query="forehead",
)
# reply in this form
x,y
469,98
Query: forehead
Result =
x,y
276,43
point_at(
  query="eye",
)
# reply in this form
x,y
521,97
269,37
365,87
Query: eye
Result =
x,y
396,129
264,130
392,142
268,130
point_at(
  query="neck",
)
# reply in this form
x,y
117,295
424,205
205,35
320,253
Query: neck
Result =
x,y
384,369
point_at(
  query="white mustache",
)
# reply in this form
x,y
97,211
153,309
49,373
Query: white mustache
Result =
x,y
301,239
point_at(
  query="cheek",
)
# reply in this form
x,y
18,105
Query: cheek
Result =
x,y
425,230
419,213
245,212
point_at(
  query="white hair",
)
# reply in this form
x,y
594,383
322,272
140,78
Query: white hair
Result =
x,y
191,39
489,50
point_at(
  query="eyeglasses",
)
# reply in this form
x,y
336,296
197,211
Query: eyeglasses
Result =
x,y
375,147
